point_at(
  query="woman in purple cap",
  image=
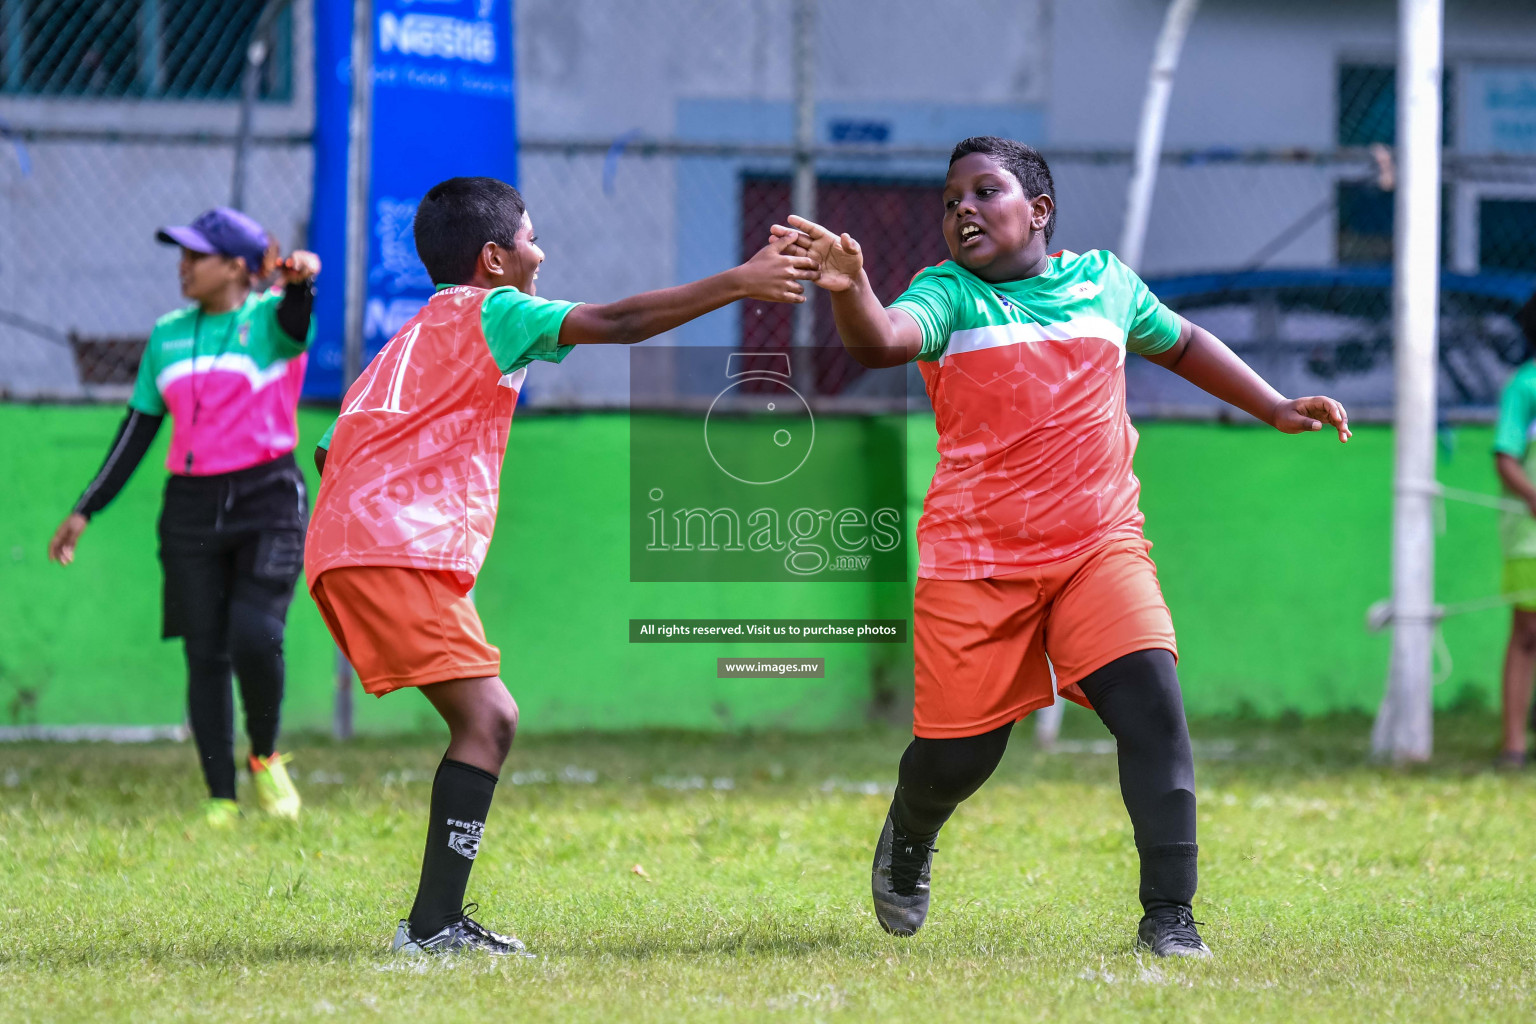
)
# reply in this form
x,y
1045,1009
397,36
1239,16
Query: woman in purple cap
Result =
x,y
228,370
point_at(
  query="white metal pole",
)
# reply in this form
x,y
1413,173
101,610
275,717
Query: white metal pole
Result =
x,y
1048,723
250,84
1149,137
359,173
1404,728
803,197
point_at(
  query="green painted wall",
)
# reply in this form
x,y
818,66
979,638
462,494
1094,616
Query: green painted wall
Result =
x,y
1269,547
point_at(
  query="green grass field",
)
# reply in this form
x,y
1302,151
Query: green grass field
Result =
x,y
680,877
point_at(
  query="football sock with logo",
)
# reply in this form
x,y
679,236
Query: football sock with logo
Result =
x,y
936,775
461,796
1137,696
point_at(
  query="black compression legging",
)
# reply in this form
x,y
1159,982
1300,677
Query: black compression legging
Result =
x,y
251,650
232,546
1137,696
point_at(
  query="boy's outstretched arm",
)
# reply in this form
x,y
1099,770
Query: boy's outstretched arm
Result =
x,y
1513,476
875,336
773,275
1201,358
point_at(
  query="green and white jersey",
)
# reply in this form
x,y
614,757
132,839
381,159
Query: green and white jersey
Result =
x,y
1513,435
1027,380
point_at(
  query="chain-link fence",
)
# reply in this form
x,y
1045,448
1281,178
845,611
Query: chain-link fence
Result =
x,y
1293,271
657,144
118,117
1285,253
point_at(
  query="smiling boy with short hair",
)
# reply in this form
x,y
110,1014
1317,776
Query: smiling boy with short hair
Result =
x,y
411,473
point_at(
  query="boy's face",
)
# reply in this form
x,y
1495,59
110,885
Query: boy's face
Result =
x,y
525,257
206,275
991,226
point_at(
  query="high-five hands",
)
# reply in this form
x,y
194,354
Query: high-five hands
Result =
x,y
1299,415
838,258
774,273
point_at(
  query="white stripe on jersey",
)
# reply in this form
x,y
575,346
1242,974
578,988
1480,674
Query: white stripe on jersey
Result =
x,y
976,339
227,362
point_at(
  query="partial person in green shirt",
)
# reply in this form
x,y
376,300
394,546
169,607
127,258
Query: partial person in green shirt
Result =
x,y
1514,458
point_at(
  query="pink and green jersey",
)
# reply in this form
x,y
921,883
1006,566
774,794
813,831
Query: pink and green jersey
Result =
x,y
1027,380
230,381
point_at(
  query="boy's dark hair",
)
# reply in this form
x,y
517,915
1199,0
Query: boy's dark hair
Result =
x,y
457,217
1021,161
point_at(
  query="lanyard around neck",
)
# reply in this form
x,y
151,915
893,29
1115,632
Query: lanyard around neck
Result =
x,y
197,391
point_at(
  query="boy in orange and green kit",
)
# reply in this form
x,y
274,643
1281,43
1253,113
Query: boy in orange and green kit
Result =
x,y
1030,548
411,474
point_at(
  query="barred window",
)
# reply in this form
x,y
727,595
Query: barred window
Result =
x,y
1367,114
1365,218
1506,237
157,49
1367,105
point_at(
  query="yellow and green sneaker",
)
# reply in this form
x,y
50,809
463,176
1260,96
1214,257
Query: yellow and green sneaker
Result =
x,y
274,789
219,813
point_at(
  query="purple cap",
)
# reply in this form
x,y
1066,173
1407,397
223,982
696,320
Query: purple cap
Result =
x,y
224,231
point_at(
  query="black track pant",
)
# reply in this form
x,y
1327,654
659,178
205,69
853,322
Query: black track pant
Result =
x,y
231,547
1138,698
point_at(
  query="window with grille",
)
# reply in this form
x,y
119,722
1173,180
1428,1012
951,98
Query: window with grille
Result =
x,y
1367,105
1367,115
141,49
896,222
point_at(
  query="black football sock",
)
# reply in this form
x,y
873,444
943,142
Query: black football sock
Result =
x,y
461,796
1169,875
1138,698
936,775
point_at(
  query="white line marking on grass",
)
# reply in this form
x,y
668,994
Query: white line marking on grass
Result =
x,y
1211,750
862,788
1084,747
323,778
93,733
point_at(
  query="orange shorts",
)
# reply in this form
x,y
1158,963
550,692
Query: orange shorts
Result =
x,y
404,627
985,648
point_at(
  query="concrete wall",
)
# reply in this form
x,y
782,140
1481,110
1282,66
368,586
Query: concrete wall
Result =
x,y
1068,74
721,72
1253,75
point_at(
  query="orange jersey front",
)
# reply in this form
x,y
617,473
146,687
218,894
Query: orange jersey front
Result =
x,y
413,471
1027,380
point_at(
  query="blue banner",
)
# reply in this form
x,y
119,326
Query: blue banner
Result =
x,y
443,106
